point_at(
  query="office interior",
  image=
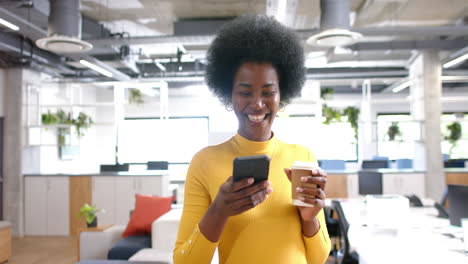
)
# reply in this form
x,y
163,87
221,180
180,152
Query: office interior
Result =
x,y
95,95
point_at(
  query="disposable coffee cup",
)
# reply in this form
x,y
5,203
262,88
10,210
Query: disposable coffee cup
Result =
x,y
299,169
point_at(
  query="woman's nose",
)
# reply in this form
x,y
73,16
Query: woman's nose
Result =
x,y
258,102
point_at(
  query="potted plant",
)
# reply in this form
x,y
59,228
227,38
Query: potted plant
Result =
x,y
135,96
49,118
326,93
89,212
393,131
455,133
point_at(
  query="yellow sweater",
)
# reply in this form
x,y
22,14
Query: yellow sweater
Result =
x,y
269,233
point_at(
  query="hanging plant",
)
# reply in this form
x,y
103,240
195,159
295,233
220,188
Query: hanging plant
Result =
x,y
61,117
353,115
393,131
455,131
82,121
330,114
135,96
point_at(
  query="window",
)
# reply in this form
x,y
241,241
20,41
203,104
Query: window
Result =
x,y
175,139
334,141
460,149
401,146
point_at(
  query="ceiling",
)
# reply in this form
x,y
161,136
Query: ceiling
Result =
x,y
154,39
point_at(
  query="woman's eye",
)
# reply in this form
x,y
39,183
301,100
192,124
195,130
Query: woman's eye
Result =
x,y
268,93
245,93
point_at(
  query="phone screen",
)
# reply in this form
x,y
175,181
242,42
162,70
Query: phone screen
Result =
x,y
256,167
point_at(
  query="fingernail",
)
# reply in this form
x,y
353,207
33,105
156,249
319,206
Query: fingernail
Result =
x,y
266,196
299,189
314,171
269,190
267,183
303,179
250,180
301,198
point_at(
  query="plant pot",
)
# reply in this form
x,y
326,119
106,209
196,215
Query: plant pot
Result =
x,y
92,224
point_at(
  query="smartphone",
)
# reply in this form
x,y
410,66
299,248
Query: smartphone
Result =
x,y
256,167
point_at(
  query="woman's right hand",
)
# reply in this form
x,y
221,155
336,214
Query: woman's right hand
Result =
x,y
234,198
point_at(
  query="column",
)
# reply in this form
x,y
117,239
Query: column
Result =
x,y
426,108
367,147
13,179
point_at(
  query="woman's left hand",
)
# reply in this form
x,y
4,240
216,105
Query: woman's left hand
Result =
x,y
311,195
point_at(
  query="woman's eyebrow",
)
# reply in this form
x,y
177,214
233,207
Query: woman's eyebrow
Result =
x,y
248,85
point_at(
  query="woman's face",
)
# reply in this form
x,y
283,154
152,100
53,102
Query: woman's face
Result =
x,y
255,99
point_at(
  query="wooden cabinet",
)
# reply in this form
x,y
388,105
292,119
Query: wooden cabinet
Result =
x,y
47,205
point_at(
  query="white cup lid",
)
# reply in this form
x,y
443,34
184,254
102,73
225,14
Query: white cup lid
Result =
x,y
304,165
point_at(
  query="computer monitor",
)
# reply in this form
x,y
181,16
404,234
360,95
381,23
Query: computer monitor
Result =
x,y
114,167
375,164
458,205
158,165
370,182
454,164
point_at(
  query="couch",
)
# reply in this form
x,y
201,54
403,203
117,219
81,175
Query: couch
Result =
x,y
96,245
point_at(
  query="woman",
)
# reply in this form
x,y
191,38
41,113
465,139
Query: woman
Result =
x,y
255,66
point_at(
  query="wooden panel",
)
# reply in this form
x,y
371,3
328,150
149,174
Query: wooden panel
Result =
x,y
337,186
5,244
80,193
460,178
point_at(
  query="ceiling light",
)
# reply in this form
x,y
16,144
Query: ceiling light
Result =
x,y
96,68
334,37
9,25
63,44
455,61
402,86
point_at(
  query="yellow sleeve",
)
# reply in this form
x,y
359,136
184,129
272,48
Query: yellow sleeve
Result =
x,y
318,246
191,245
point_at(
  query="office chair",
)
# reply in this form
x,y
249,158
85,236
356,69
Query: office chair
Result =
x,y
333,231
344,255
441,206
414,200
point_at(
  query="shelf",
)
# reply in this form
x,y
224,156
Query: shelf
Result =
x,y
111,104
67,126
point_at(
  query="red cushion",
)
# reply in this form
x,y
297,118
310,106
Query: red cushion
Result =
x,y
147,209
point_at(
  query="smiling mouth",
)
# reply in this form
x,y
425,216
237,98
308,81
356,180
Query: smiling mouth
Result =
x,y
257,118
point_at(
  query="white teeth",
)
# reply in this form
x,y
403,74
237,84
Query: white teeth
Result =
x,y
256,118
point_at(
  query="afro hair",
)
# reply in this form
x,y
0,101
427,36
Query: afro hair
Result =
x,y
255,38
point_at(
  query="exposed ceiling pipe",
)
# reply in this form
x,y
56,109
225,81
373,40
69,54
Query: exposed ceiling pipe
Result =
x,y
334,25
64,28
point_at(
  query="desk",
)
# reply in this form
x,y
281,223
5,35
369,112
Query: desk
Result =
x,y
422,239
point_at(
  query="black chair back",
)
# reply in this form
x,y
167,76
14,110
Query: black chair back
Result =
x,y
345,256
